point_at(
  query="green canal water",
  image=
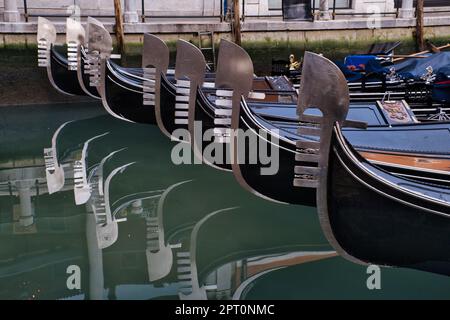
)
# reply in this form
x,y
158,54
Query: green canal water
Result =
x,y
187,230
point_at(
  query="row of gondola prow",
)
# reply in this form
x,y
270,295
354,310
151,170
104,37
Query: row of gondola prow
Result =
x,y
323,87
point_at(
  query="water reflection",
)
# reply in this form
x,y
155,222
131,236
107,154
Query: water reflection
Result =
x,y
107,198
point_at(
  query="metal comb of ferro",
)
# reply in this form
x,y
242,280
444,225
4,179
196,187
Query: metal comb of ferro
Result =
x,y
325,88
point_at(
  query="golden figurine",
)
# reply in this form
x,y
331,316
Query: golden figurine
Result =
x,y
293,64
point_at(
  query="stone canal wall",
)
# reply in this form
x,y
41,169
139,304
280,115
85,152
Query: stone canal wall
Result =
x,y
355,29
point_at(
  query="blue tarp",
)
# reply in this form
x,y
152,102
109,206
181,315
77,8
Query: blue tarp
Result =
x,y
351,76
412,68
359,60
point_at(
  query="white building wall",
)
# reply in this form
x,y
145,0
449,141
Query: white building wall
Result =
x,y
364,6
106,7
181,7
87,7
256,7
261,7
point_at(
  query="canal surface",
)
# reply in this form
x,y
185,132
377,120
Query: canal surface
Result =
x,y
182,231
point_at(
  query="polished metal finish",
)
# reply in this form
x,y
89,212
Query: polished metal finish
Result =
x,y
155,62
82,188
159,253
234,69
99,38
188,278
323,87
190,71
235,73
100,48
75,36
54,171
46,37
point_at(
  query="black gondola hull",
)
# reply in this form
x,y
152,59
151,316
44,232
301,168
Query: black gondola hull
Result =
x,y
62,78
421,143
273,180
204,118
84,77
125,99
376,223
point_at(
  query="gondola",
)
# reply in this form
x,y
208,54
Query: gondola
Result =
x,y
419,69
130,81
65,67
372,216
269,109
271,97
412,77
59,75
167,117
169,91
415,80
368,214
77,42
178,92
121,97
68,74
419,147
133,98
413,73
76,39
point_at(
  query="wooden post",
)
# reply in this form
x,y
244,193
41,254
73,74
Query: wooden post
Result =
x,y
119,28
420,43
236,22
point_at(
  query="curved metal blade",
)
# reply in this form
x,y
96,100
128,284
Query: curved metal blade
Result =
x,y
190,66
234,68
190,62
99,38
75,32
155,53
323,86
46,31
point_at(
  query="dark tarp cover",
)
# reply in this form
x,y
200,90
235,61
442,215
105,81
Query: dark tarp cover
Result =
x,y
415,68
441,88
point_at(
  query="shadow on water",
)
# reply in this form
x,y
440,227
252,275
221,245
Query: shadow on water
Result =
x,y
108,201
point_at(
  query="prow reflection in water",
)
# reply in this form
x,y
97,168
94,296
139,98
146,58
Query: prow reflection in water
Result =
x,y
250,244
226,245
